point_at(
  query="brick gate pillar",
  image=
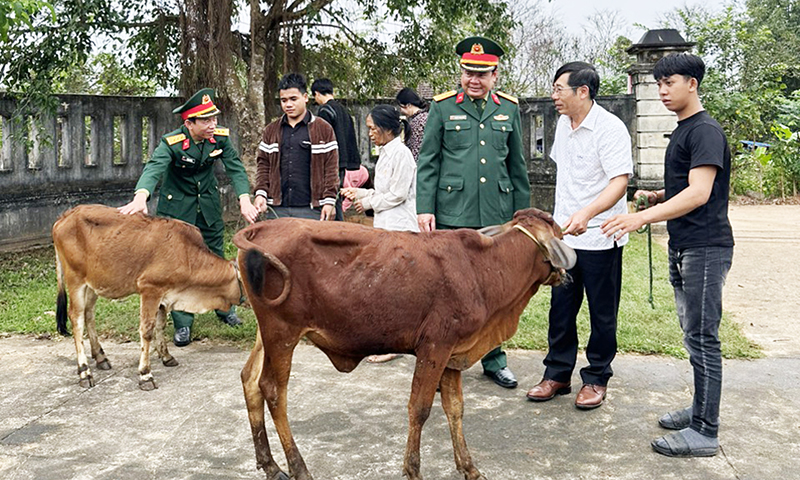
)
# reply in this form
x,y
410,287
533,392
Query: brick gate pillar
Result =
x,y
654,122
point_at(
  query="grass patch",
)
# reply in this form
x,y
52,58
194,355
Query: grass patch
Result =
x,y
640,328
28,293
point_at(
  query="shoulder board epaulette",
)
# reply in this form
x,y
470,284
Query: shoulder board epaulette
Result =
x,y
442,96
222,131
510,98
172,140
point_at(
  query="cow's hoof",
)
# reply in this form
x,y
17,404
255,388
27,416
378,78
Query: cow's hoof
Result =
x,y
280,476
170,362
87,382
148,384
104,365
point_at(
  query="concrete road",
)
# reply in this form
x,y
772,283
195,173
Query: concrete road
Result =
x,y
353,426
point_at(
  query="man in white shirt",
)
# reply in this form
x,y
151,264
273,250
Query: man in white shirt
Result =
x,y
592,151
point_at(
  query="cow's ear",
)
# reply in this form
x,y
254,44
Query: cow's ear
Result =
x,y
561,255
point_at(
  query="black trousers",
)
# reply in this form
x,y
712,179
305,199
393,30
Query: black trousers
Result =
x,y
599,274
339,198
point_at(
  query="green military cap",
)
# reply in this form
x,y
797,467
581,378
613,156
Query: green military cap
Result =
x,y
199,105
479,54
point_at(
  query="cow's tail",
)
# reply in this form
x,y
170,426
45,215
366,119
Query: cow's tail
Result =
x,y
61,302
255,261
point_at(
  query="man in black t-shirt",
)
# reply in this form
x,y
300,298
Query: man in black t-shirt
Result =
x,y
334,113
694,202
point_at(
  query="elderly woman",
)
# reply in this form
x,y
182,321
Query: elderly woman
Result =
x,y
394,197
416,111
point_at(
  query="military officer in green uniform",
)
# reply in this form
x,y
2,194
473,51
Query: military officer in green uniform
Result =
x,y
471,170
184,162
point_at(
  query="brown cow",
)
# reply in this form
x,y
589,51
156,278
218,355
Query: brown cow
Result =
x,y
100,251
447,297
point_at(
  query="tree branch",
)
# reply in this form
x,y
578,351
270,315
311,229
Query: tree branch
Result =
x,y
315,6
155,23
351,35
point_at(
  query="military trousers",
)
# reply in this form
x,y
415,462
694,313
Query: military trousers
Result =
x,y
496,359
213,235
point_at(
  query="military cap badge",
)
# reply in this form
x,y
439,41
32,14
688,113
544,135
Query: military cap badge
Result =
x,y
479,54
199,105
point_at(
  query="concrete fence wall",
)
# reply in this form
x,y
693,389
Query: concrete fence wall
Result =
x,y
92,150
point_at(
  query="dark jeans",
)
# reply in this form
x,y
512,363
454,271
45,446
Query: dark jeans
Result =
x,y
339,198
599,274
697,276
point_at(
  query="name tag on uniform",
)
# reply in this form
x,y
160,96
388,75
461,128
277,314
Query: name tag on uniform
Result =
x,y
500,118
215,153
188,159
458,117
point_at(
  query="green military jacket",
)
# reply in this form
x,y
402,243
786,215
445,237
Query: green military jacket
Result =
x,y
186,169
471,170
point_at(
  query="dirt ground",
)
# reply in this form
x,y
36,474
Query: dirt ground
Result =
x,y
763,287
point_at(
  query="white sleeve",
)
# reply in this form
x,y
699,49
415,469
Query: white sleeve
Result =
x,y
614,150
403,171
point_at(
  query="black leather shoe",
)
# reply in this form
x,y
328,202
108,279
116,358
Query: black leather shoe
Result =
x,y
503,377
231,319
182,337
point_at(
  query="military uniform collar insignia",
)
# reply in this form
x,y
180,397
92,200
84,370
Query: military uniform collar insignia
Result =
x,y
186,144
460,97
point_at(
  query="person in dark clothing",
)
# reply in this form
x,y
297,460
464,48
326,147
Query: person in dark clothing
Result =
x,y
334,113
694,202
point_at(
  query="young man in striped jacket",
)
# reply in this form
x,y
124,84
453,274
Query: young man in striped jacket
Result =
x,y
298,159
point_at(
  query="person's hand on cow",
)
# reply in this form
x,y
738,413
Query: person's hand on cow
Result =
x,y
349,193
426,222
249,211
577,224
139,204
328,213
260,203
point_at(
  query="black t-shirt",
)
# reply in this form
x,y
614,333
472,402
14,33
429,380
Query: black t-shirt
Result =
x,y
699,141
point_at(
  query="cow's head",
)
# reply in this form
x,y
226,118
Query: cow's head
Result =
x,y
540,227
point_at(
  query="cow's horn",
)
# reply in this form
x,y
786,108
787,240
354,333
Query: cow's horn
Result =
x,y
493,230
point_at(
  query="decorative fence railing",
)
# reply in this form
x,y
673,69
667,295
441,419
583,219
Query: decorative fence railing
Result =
x,y
92,149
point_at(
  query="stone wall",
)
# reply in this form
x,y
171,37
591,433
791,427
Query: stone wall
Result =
x,y
93,150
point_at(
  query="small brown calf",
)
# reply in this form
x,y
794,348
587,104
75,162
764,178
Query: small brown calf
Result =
x,y
101,252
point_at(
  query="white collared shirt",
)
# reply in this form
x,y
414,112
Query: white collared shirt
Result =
x,y
394,198
587,158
